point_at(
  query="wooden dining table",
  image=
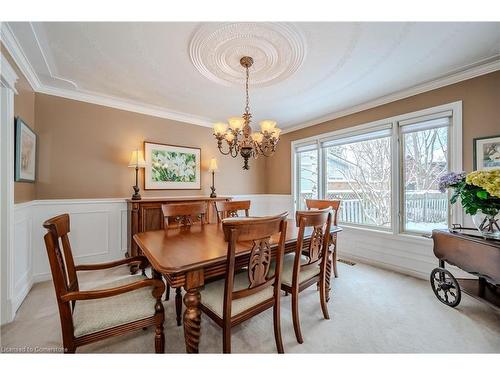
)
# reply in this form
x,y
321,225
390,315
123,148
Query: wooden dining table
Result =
x,y
188,256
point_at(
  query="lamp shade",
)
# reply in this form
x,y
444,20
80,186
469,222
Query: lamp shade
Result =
x,y
236,123
137,160
213,165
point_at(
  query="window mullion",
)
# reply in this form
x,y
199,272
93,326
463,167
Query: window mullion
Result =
x,y
321,172
396,185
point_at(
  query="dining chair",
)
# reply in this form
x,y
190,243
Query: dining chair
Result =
x,y
182,215
227,209
335,205
307,265
114,308
254,289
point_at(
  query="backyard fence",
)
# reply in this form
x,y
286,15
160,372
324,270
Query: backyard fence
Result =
x,y
420,207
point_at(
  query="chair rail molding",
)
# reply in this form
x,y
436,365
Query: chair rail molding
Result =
x,y
8,79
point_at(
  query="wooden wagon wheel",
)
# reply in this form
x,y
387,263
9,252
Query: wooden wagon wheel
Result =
x,y
445,287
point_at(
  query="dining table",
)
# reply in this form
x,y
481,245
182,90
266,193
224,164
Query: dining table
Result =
x,y
188,256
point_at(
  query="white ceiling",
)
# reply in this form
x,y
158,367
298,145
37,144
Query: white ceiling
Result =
x,y
303,72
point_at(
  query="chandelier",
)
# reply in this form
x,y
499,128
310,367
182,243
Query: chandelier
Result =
x,y
239,137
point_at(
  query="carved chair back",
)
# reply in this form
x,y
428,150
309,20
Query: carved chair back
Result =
x,y
62,266
258,231
316,249
183,214
227,209
320,204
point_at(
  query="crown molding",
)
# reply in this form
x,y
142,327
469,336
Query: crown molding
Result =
x,y
487,66
8,76
126,105
12,45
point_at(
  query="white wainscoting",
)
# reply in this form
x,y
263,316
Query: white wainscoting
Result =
x,y
98,231
22,257
99,234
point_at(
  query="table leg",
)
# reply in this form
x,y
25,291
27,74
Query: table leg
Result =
x,y
192,315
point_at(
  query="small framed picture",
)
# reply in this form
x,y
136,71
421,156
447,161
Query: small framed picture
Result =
x,y
171,167
487,152
25,152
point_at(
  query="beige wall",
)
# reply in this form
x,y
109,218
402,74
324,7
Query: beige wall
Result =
x,y
481,117
24,107
84,150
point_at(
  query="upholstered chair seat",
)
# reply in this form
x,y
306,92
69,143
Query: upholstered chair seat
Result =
x,y
306,272
95,315
213,295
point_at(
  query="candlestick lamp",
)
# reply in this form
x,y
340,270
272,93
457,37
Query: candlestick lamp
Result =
x,y
137,161
213,168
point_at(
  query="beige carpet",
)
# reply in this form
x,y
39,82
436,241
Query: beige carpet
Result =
x,y
372,311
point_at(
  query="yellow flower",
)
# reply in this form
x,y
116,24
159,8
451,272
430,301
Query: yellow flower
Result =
x,y
488,180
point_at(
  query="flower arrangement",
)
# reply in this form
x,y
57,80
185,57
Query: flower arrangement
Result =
x,y
479,192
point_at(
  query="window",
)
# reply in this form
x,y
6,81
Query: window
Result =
x,y
307,172
386,173
359,173
425,160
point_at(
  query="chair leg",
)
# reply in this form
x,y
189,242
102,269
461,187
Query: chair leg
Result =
x,y
167,293
226,339
295,316
277,328
159,320
178,305
322,298
334,259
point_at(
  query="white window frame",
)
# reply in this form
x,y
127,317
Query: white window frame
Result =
x,y
455,160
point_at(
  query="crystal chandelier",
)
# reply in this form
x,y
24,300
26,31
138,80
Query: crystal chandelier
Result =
x,y
239,137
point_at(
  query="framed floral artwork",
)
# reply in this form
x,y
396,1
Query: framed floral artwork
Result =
x,y
171,167
25,152
487,152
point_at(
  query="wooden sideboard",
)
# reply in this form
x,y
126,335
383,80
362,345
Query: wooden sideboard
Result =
x,y
145,215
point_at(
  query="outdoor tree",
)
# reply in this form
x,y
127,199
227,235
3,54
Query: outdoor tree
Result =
x,y
368,174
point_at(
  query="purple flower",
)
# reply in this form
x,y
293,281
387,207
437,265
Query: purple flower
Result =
x,y
450,179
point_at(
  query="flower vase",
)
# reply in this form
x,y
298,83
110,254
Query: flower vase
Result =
x,y
487,224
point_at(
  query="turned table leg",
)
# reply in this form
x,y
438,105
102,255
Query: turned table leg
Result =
x,y
192,314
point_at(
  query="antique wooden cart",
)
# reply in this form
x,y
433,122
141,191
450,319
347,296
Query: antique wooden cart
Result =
x,y
461,247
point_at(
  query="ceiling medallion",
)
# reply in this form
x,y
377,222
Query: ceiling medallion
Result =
x,y
277,49
239,137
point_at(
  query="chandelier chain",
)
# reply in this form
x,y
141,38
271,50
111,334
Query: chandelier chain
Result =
x,y
247,107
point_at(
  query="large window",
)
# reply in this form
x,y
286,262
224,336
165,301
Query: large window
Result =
x,y
425,160
386,173
358,171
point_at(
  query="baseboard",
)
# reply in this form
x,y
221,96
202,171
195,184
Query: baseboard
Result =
x,y
383,265
42,277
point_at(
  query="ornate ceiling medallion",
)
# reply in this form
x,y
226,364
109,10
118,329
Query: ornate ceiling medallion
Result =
x,y
277,49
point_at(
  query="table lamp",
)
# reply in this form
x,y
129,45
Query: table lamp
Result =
x,y
137,161
213,168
